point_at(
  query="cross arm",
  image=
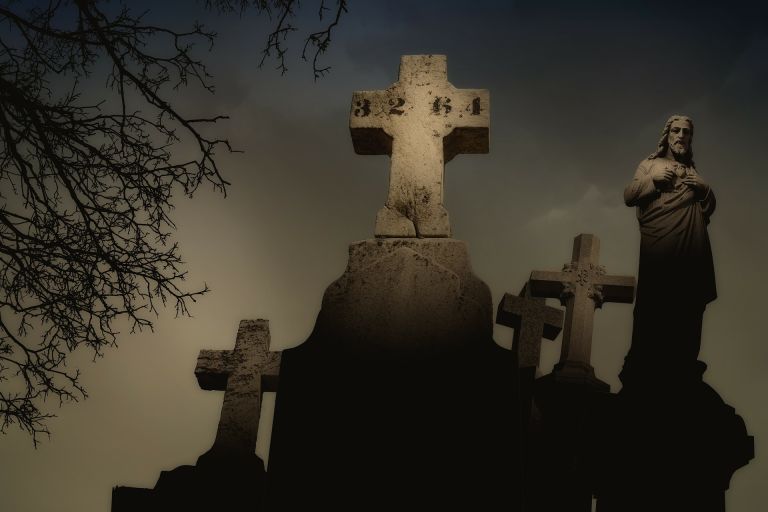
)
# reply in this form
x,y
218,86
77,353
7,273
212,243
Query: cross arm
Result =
x,y
553,322
470,122
369,117
508,311
547,283
617,288
213,369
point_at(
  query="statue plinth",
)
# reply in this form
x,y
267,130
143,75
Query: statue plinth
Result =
x,y
671,444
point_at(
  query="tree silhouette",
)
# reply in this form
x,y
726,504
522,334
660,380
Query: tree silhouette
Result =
x,y
86,185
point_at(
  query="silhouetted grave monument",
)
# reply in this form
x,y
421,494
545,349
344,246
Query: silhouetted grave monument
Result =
x,y
567,397
230,474
532,319
669,442
400,399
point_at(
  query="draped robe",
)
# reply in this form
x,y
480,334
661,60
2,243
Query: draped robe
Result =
x,y
676,278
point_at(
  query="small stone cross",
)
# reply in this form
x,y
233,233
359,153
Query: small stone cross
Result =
x,y
581,287
531,319
243,374
422,122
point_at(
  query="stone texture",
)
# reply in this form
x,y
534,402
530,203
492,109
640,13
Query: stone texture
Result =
x,y
422,122
581,287
531,319
417,286
243,374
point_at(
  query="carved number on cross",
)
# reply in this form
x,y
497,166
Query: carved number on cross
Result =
x,y
444,103
363,108
396,107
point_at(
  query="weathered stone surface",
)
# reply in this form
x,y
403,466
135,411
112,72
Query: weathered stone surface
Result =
x,y
243,374
531,319
406,290
581,287
422,122
400,399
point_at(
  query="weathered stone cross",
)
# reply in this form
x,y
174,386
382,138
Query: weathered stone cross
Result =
x,y
581,287
422,121
243,374
531,319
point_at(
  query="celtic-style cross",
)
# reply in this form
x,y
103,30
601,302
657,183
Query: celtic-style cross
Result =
x,y
243,374
581,287
422,121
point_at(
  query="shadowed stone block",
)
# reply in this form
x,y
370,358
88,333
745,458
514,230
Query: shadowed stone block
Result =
x,y
422,122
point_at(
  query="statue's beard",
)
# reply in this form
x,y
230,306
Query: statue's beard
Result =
x,y
679,150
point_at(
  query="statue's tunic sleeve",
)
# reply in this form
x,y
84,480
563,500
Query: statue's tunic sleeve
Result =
x,y
675,253
642,188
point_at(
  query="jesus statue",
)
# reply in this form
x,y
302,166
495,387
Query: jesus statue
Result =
x,y
676,278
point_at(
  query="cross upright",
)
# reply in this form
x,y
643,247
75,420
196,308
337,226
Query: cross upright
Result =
x,y
531,319
243,374
581,287
422,122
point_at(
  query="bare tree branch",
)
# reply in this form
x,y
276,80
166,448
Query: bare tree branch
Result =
x,y
86,187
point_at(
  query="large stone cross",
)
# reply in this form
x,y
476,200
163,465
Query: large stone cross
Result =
x,y
422,121
531,319
581,287
243,374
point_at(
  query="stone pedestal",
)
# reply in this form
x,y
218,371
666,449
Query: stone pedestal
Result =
x,y
667,443
400,399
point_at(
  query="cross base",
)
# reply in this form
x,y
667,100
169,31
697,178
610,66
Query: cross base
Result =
x,y
391,223
578,373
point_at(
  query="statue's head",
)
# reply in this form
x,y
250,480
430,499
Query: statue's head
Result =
x,y
676,140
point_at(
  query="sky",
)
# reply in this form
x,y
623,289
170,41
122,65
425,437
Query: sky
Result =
x,y
579,93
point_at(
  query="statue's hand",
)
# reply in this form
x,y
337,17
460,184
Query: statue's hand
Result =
x,y
662,177
700,188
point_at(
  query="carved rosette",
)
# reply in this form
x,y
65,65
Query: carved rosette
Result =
x,y
584,276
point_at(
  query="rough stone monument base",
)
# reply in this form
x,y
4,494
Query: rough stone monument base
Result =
x,y
667,442
214,483
400,399
563,409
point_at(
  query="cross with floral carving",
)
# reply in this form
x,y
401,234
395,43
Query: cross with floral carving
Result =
x,y
582,286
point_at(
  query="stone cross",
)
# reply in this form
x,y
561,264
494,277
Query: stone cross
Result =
x,y
243,374
581,287
422,122
531,319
